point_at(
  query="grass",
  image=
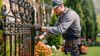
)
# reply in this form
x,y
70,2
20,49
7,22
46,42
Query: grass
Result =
x,y
98,39
95,50
58,53
92,51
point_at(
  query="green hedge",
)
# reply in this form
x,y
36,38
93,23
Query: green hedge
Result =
x,y
56,40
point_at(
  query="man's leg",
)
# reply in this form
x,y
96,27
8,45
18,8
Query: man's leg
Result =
x,y
72,47
75,51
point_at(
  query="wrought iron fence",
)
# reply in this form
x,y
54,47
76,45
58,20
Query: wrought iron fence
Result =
x,y
17,32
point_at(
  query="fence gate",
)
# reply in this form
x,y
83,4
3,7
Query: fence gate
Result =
x,y
17,32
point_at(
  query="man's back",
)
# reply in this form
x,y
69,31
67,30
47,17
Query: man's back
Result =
x,y
72,26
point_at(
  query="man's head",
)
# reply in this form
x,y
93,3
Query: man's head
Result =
x,y
58,6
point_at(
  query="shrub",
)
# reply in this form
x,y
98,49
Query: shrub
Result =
x,y
55,40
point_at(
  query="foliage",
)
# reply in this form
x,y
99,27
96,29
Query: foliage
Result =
x,y
1,43
54,39
0,3
98,23
58,53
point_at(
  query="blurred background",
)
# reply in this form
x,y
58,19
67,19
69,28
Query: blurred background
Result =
x,y
17,37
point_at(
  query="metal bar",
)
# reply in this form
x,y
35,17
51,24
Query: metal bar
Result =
x,y
19,34
15,35
15,45
4,34
10,45
33,33
19,46
10,42
4,44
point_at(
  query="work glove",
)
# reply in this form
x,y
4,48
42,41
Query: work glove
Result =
x,y
37,27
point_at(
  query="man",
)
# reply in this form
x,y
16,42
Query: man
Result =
x,y
68,24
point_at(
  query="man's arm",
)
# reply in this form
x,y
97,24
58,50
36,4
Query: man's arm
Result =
x,y
67,21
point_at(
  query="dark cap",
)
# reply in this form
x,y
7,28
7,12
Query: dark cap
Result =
x,y
56,3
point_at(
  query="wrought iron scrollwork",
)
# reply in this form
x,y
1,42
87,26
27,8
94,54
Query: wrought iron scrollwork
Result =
x,y
18,31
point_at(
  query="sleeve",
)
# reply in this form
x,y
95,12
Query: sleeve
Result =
x,y
43,35
60,29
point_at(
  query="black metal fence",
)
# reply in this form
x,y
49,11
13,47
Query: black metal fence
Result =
x,y
17,32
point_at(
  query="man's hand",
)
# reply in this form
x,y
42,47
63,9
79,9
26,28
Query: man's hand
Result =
x,y
39,38
37,27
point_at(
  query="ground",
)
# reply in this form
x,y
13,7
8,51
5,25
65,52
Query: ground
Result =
x,y
95,50
92,51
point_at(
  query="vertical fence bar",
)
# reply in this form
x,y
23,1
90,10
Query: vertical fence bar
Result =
x,y
33,33
4,34
15,34
10,41
19,36
15,45
22,36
